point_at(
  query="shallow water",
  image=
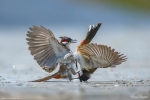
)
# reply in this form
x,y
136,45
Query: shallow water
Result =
x,y
65,90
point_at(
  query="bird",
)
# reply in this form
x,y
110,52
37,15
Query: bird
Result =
x,y
51,53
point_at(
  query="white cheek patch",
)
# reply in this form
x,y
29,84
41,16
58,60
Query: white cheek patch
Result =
x,y
64,42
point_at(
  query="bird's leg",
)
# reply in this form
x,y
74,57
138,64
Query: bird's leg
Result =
x,y
73,70
79,76
69,74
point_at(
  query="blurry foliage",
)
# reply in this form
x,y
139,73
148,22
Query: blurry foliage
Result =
x,y
129,4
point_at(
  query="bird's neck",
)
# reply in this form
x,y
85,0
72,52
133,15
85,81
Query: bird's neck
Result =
x,y
67,46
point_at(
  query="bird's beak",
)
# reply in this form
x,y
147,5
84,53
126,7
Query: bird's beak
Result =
x,y
73,41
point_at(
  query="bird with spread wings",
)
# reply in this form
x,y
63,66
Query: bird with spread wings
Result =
x,y
50,54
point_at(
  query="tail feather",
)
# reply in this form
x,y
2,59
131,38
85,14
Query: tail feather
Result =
x,y
45,78
57,75
91,33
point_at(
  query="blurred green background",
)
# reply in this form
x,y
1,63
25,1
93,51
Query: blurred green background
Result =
x,y
127,4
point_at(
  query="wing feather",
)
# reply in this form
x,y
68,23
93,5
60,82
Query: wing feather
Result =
x,y
101,55
34,51
106,51
95,50
45,47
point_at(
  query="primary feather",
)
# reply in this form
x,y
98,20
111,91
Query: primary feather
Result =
x,y
45,48
99,56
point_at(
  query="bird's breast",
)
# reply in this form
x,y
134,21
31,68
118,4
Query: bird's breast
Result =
x,y
84,61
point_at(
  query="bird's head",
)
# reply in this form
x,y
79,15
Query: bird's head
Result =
x,y
67,40
85,75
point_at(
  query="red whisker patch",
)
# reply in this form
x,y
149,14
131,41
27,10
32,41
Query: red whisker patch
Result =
x,y
64,40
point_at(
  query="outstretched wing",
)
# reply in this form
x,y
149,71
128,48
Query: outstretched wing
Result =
x,y
99,56
45,47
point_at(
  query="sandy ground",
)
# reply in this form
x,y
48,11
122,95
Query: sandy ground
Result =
x,y
65,90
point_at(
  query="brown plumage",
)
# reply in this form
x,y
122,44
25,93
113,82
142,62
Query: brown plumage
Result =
x,y
45,47
100,56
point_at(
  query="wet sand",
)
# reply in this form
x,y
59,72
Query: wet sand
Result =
x,y
75,90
